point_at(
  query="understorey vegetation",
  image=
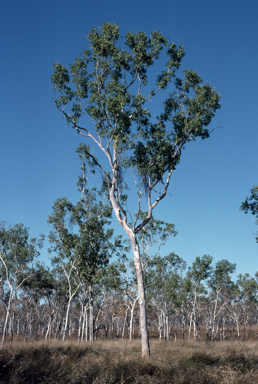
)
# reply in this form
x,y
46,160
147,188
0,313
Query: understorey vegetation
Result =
x,y
117,362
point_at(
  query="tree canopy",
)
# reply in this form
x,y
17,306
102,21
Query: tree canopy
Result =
x,y
251,205
110,83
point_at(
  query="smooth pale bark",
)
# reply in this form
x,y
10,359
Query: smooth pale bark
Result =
x,y
167,321
224,329
80,323
142,300
138,265
91,331
124,324
193,317
66,318
131,318
84,322
70,326
51,316
86,326
7,313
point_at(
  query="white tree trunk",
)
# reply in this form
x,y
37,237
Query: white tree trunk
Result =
x,y
131,318
124,324
66,318
91,331
7,315
142,300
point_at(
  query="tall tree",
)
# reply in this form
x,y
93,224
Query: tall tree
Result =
x,y
110,85
251,204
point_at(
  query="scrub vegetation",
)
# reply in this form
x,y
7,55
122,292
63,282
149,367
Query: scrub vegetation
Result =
x,y
121,362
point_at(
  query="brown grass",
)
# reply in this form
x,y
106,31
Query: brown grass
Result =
x,y
55,362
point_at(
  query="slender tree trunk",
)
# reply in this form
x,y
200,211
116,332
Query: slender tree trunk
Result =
x,y
244,325
11,322
48,327
70,326
18,327
183,327
160,326
26,327
250,329
91,331
190,328
84,321
238,332
165,327
224,330
131,319
86,326
195,330
66,318
124,324
6,317
80,324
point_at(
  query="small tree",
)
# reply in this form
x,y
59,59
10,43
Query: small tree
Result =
x,y
251,204
83,251
165,290
198,272
220,284
110,85
247,298
17,254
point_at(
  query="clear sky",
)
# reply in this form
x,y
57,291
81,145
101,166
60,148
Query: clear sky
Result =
x,y
37,150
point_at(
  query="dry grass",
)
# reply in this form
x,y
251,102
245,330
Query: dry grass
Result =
x,y
120,362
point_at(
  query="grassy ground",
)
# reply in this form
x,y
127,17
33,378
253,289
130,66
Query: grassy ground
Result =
x,y
120,362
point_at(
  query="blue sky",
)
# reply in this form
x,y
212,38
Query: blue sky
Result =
x,y
37,150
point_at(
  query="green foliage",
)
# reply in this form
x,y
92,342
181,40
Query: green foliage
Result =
x,y
17,251
156,231
248,288
81,235
220,277
41,281
251,204
197,273
201,269
166,280
111,276
110,84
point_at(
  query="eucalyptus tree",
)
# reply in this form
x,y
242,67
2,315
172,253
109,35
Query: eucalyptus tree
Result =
x,y
220,284
110,84
247,298
197,273
62,244
251,204
166,291
39,288
17,253
82,239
